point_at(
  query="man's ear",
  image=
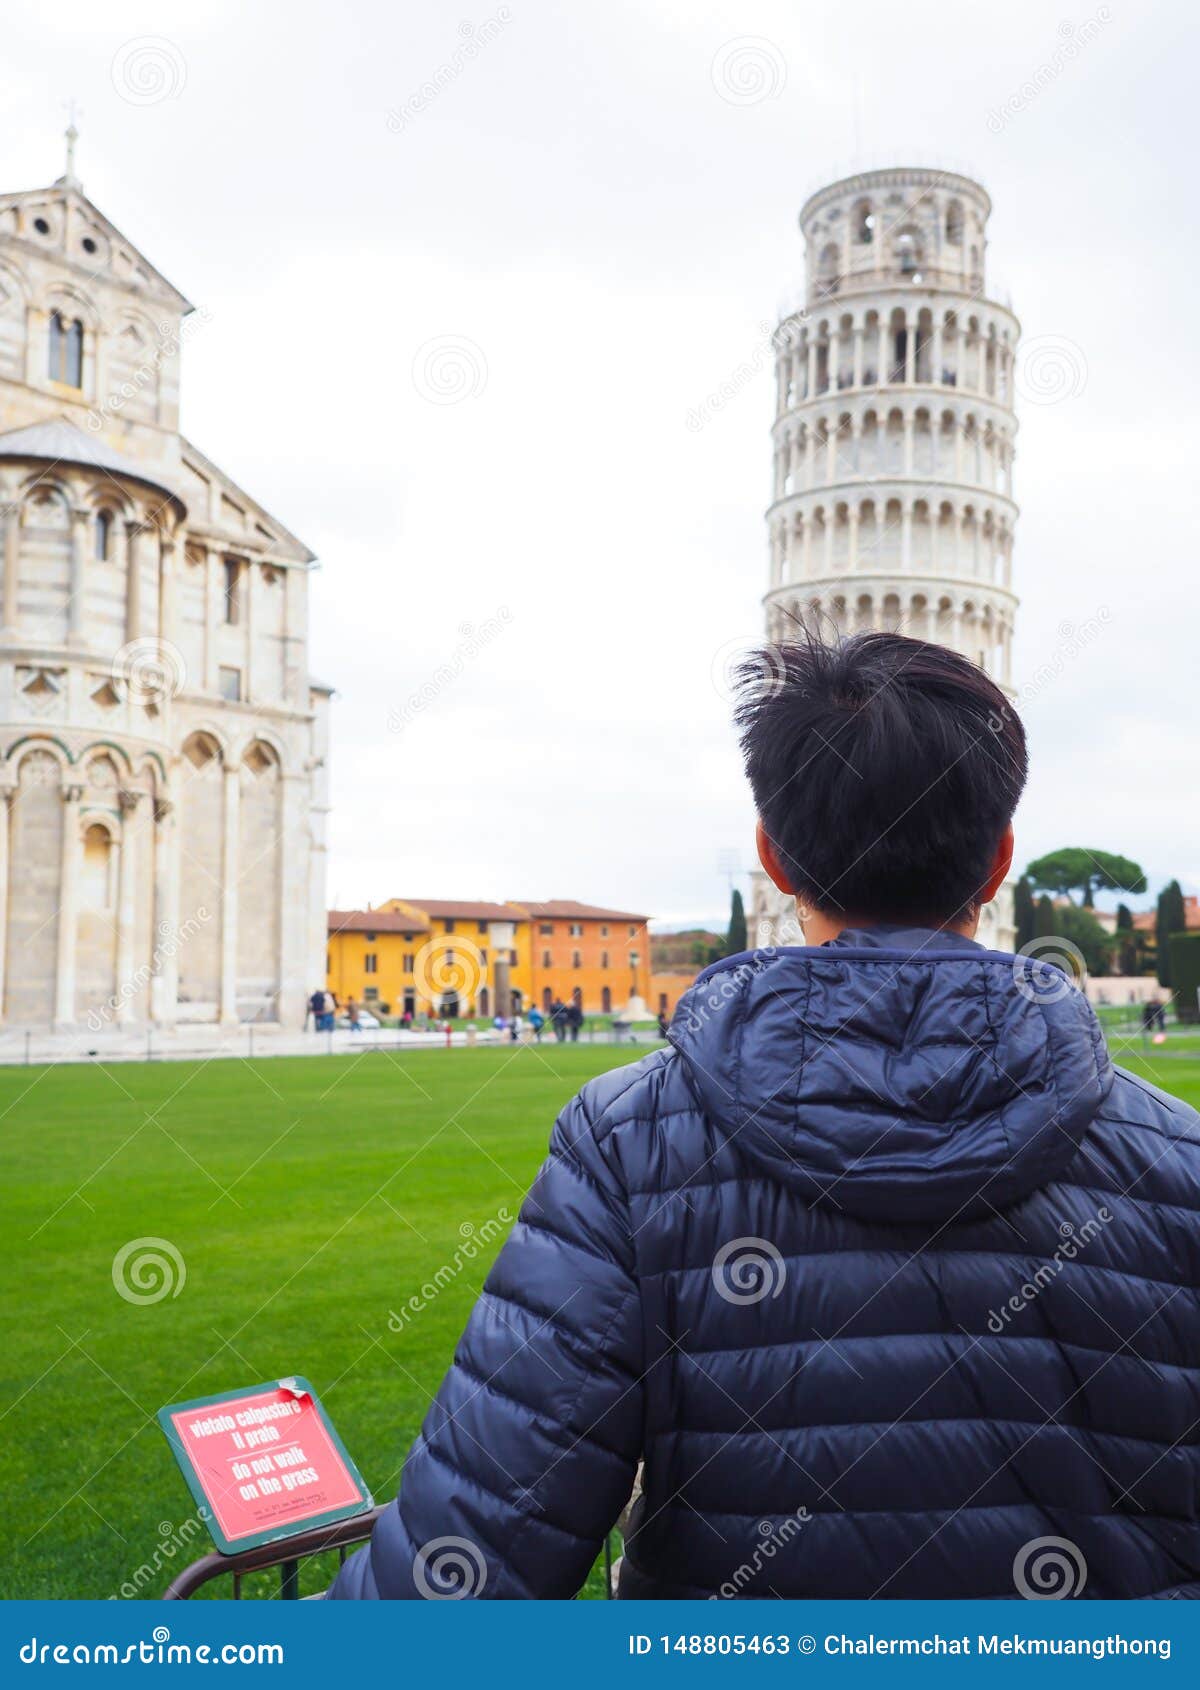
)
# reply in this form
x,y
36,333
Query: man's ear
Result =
x,y
1001,863
769,858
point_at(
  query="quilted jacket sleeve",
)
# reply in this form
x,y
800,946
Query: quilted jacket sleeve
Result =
x,y
528,1453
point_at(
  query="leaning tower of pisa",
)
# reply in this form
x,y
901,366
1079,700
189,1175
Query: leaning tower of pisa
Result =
x,y
893,437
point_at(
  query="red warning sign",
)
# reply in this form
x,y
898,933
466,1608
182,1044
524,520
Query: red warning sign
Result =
x,y
265,1463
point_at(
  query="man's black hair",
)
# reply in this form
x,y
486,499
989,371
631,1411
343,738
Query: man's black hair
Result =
x,y
885,771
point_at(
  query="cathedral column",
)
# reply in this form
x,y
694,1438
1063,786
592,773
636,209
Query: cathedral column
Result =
x,y
126,884
982,361
830,519
884,359
811,456
212,617
6,797
229,897
935,523
12,564
937,350
164,982
133,581
80,521
808,531
812,367
831,453
168,591
958,447
906,521
852,522
68,909
253,574
910,424
856,378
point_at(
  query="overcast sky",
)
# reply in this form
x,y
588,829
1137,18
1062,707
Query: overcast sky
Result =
x,y
455,337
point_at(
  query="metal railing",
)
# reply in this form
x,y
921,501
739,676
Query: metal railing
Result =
x,y
286,1555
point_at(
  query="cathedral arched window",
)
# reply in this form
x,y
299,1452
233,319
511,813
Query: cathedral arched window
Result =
x,y
95,887
864,223
954,223
103,534
66,350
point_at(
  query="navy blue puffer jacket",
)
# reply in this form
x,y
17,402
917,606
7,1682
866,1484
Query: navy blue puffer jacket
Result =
x,y
882,1270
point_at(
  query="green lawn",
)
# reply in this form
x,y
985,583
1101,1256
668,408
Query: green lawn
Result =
x,y
308,1198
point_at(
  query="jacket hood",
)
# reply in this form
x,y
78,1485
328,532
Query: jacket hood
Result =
x,y
896,1074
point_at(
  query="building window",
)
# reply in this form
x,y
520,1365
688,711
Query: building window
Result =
x,y
576,930
449,927
604,959
103,534
408,962
604,932
66,350
482,925
483,959
371,994
576,959
371,963
512,959
370,938
547,930
546,960
233,591
229,684
633,932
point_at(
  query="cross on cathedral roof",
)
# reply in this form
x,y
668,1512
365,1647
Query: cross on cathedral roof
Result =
x,y
68,179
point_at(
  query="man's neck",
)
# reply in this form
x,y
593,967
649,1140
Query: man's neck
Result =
x,y
819,926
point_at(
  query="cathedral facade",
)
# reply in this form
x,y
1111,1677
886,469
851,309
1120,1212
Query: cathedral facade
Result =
x,y
893,441
163,750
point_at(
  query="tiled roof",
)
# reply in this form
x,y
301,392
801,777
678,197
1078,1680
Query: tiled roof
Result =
x,y
566,909
465,909
374,921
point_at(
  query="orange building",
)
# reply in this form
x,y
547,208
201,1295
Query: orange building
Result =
x,y
599,957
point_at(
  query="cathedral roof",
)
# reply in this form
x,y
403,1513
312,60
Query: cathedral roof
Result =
x,y
61,442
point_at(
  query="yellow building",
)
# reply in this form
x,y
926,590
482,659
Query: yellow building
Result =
x,y
470,957
372,957
462,957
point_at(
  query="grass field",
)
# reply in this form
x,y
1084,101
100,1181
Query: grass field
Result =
x,y
308,1199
